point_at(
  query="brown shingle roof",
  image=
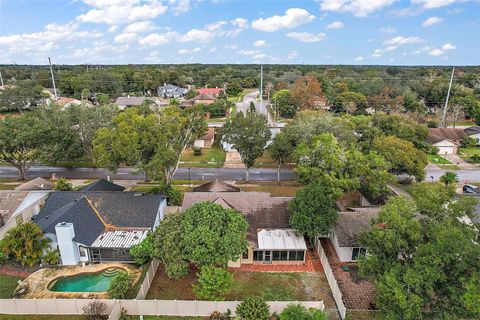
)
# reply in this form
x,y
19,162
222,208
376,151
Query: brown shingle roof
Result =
x,y
9,202
350,225
209,135
204,97
260,209
216,186
439,134
35,184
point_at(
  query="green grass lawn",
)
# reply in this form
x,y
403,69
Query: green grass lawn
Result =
x,y
7,285
266,161
215,156
272,286
436,159
275,188
466,153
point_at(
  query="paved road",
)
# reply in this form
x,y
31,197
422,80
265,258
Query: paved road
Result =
x,y
465,176
129,173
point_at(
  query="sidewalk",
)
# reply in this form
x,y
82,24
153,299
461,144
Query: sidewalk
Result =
x,y
233,160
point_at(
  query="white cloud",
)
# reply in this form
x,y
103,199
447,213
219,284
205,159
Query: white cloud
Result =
x,y
240,22
249,52
335,25
216,25
379,52
359,8
387,30
431,21
157,39
120,12
197,49
306,37
292,18
180,6
112,29
358,59
440,51
197,36
430,4
292,54
401,40
183,51
231,46
212,49
139,27
126,37
259,43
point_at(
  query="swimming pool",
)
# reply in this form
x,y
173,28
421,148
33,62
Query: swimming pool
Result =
x,y
86,282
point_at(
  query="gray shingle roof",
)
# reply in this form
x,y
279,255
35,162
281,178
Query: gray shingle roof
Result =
x,y
260,209
472,130
130,101
350,225
116,209
102,185
9,203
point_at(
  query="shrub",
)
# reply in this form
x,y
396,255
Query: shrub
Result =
x,y
469,142
295,312
475,158
216,315
253,308
213,283
174,197
176,270
120,286
197,151
142,252
3,258
95,310
316,314
63,184
51,257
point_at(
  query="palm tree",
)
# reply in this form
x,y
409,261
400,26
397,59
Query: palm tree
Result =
x,y
449,178
25,244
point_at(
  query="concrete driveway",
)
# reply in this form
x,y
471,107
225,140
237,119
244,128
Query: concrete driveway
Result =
x,y
457,160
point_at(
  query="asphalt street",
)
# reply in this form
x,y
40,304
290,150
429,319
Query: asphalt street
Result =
x,y
433,174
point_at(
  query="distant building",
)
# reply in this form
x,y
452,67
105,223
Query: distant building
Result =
x,y
474,132
447,140
131,101
171,91
66,102
206,141
211,91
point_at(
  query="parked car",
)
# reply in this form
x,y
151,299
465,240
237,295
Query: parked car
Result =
x,y
468,188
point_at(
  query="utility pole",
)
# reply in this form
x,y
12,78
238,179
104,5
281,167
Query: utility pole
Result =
x,y
444,116
53,79
261,88
1,78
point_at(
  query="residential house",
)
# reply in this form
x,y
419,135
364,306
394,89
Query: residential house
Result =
x,y
17,207
346,232
66,102
447,140
474,132
102,185
271,240
216,92
204,99
171,91
130,101
205,141
36,184
99,226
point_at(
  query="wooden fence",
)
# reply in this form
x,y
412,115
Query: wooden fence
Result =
x,y
332,282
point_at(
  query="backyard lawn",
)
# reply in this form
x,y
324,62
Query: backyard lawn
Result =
x,y
216,155
272,286
7,285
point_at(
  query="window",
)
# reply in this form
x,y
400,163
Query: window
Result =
x,y
257,255
83,252
245,255
19,219
284,255
295,255
358,252
276,255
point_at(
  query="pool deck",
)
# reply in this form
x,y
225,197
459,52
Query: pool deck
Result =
x,y
37,283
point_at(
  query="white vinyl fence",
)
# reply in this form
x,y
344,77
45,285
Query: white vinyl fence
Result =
x,y
142,293
332,282
135,307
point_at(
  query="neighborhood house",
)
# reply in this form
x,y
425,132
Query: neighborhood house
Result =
x,y
168,91
271,240
447,140
98,226
474,132
206,141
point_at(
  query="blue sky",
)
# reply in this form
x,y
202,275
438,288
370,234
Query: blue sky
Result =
x,y
394,32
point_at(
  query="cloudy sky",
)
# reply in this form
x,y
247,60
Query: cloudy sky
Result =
x,y
398,32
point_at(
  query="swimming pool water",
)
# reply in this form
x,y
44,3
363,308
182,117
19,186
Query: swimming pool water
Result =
x,y
86,282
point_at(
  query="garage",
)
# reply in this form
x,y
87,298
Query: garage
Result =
x,y
446,147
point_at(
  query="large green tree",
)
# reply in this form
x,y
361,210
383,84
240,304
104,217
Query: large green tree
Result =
x,y
20,96
248,134
350,102
283,104
280,149
313,211
424,258
212,234
152,143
